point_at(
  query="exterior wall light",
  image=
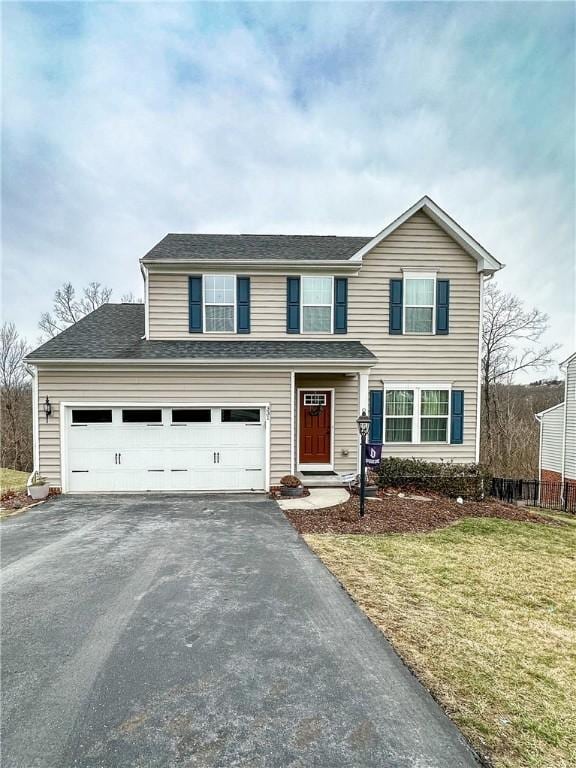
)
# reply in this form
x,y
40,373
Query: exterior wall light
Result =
x,y
47,408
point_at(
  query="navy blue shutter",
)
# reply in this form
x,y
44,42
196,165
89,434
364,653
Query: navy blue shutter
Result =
x,y
395,319
293,305
340,305
195,304
457,419
442,306
376,415
243,305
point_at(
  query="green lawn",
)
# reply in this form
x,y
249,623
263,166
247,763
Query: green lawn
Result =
x,y
484,612
10,479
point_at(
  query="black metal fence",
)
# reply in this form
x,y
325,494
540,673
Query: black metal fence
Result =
x,y
537,493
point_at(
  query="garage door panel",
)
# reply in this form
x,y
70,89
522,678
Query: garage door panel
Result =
x,y
207,456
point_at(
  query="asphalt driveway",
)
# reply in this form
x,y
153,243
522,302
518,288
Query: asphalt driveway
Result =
x,y
195,631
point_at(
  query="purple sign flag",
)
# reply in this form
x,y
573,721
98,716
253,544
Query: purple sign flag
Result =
x,y
373,454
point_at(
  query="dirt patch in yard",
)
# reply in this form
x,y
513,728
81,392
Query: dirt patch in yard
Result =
x,y
393,514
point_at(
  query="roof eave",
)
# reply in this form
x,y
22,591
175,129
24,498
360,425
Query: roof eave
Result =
x,y
345,265
228,362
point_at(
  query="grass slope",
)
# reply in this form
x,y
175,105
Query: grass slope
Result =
x,y
484,612
12,480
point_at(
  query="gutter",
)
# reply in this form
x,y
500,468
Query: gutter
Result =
x,y
227,362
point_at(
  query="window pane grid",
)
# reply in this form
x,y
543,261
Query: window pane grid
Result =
x,y
219,303
417,415
434,430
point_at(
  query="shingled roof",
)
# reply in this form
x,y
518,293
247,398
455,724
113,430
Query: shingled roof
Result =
x,y
115,331
256,247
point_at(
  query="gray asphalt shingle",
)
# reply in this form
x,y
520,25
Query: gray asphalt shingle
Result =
x,y
256,247
115,331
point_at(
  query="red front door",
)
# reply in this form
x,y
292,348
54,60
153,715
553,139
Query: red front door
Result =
x,y
315,427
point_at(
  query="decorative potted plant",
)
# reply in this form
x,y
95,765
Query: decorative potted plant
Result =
x,y
290,485
38,487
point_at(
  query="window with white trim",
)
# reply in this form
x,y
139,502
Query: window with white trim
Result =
x,y
434,410
219,303
416,415
419,302
317,304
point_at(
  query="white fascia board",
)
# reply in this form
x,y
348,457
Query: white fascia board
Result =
x,y
543,413
565,363
486,262
230,363
250,265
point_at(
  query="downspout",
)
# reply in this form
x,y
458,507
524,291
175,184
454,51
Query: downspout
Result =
x,y
564,430
35,425
144,271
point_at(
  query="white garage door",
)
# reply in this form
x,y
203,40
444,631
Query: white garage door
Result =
x,y
200,448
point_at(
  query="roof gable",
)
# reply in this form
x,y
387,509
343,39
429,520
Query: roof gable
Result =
x,y
486,262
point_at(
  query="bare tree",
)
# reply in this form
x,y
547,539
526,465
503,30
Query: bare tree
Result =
x,y
130,298
67,309
511,342
16,413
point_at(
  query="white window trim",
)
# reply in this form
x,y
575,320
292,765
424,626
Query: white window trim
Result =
x,y
211,304
302,305
416,413
419,276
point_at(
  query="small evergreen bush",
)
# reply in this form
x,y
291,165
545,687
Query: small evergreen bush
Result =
x,y
470,481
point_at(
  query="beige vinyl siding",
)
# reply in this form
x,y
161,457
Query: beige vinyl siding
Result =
x,y
570,447
345,415
418,245
169,307
552,427
163,384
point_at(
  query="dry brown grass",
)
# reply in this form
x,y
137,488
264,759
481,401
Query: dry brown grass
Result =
x,y
484,612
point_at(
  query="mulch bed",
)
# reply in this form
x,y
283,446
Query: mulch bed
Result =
x,y
12,501
393,514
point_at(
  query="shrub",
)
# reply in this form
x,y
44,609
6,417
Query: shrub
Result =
x,y
466,480
290,481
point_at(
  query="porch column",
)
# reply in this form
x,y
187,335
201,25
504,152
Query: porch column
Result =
x,y
363,404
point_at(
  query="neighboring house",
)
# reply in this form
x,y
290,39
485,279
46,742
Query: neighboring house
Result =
x,y
254,354
558,433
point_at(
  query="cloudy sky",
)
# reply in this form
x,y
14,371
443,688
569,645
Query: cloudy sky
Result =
x,y
126,121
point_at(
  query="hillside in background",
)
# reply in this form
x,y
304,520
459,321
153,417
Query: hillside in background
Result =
x,y
513,450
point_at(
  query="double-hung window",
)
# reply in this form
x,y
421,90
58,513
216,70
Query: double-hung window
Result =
x,y
219,303
419,302
416,415
434,410
317,304
399,415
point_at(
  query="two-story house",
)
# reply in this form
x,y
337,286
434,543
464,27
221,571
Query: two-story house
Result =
x,y
253,355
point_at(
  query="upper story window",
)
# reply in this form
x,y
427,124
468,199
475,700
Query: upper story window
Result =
x,y
317,304
419,302
219,303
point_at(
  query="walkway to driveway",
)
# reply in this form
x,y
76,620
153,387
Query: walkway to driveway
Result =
x,y
195,631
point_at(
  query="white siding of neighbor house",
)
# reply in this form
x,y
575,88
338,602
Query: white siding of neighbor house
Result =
x,y
552,426
570,446
419,244
162,384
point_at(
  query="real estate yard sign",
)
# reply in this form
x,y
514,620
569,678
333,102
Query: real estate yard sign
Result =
x,y
373,454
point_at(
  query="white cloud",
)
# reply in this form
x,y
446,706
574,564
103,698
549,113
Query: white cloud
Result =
x,y
320,119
